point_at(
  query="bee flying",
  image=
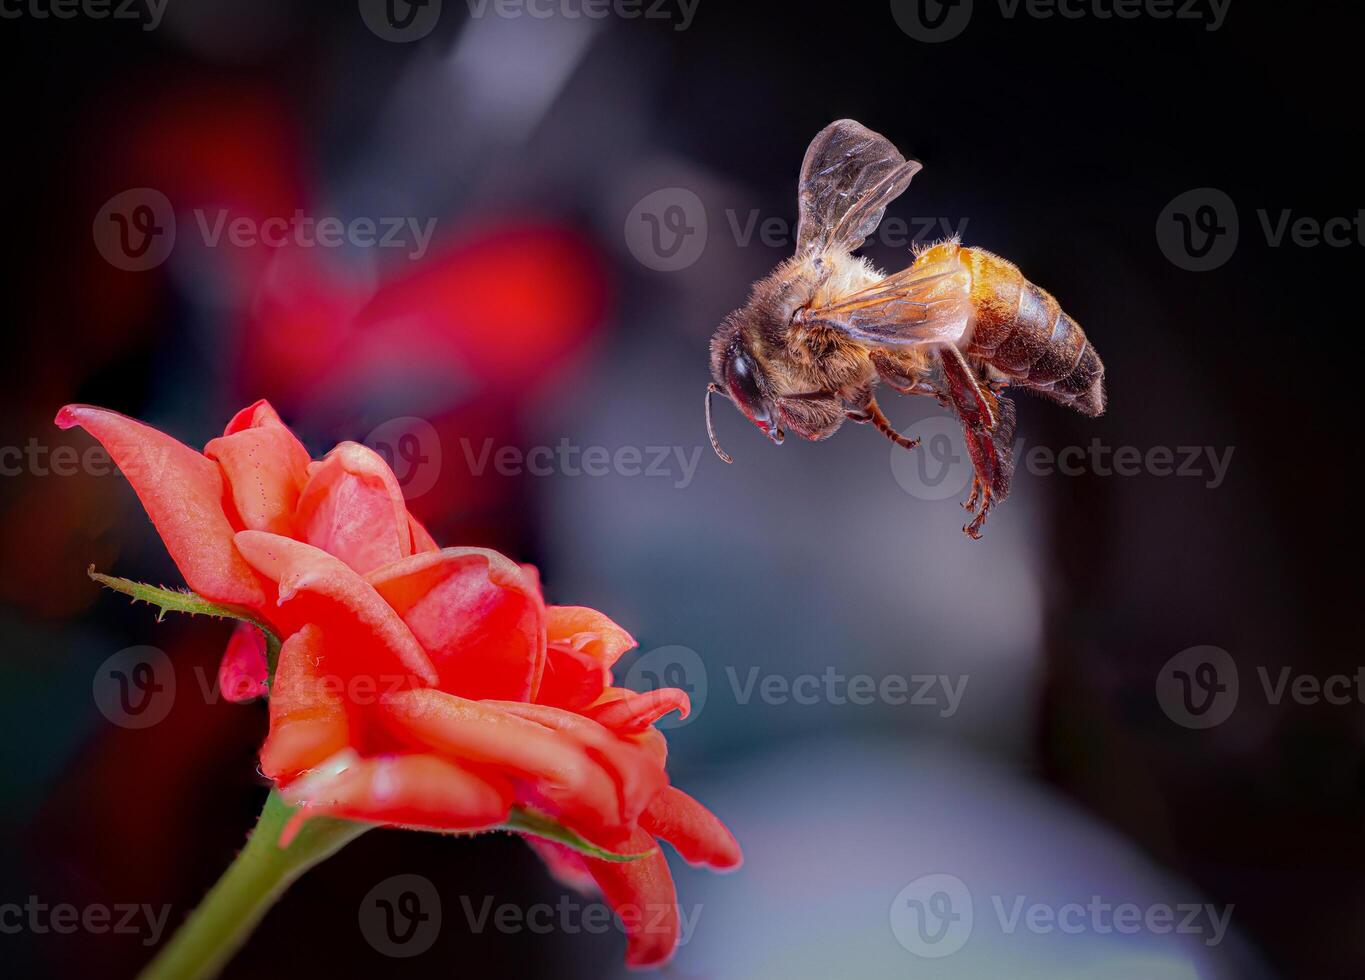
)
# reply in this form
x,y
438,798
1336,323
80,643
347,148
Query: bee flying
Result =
x,y
959,325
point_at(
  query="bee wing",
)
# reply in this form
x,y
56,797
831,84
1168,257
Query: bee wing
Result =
x,y
928,304
849,176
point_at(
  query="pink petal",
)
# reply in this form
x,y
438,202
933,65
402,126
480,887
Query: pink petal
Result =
x,y
564,864
405,790
422,542
695,831
572,679
182,493
588,630
308,721
642,894
557,766
629,712
638,778
365,638
479,619
265,467
353,507
242,672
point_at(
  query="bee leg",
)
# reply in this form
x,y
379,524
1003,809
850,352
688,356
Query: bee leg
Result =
x,y
895,379
884,426
987,428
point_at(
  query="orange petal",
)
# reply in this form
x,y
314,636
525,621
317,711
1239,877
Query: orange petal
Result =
x,y
307,717
477,616
641,892
265,465
572,679
422,541
695,831
365,637
405,790
557,766
243,670
182,493
588,630
352,507
637,776
564,864
629,712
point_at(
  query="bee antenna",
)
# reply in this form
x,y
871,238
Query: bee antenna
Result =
x,y
711,389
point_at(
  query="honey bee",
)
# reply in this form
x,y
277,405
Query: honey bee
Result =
x,y
959,325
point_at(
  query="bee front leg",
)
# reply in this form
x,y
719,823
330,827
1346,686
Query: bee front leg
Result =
x,y
865,409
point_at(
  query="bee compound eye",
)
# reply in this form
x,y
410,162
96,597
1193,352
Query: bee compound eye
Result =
x,y
742,380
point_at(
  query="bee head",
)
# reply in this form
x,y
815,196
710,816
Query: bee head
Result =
x,y
739,377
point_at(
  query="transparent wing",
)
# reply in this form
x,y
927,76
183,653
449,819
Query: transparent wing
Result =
x,y
928,304
849,176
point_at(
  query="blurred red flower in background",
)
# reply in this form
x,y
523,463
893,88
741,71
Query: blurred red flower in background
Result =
x,y
417,686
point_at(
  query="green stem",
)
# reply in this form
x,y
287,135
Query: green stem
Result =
x,y
251,884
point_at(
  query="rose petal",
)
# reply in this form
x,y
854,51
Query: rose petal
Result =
x,y
641,892
365,637
422,542
242,672
557,766
407,790
266,468
182,493
477,617
628,711
696,832
637,777
588,630
572,679
307,717
564,864
352,507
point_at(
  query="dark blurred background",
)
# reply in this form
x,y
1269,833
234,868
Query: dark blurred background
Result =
x,y
599,192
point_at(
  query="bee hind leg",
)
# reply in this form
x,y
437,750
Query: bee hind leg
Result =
x,y
988,429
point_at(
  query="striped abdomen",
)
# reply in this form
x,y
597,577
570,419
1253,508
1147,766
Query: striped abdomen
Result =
x,y
1021,331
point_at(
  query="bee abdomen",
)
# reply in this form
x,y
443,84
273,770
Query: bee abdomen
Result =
x,y
1022,331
